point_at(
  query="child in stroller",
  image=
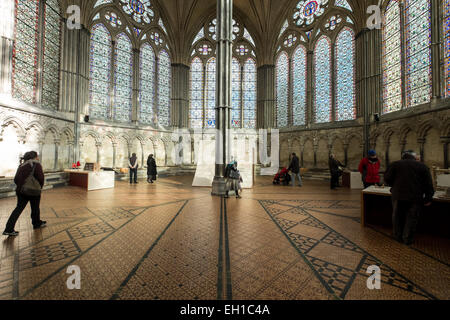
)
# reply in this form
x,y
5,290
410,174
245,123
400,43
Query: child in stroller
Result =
x,y
282,177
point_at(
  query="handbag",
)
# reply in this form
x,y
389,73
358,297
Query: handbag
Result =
x,y
31,187
234,174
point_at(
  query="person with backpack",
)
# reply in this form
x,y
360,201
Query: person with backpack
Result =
x,y
369,168
29,180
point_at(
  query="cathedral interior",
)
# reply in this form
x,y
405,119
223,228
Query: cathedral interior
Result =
x,y
95,81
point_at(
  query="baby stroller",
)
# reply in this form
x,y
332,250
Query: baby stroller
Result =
x,y
282,177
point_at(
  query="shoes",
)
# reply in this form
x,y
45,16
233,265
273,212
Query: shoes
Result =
x,y
11,234
41,225
238,197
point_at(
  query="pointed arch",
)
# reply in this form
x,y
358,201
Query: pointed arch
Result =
x,y
236,92
196,94
210,114
100,72
282,89
299,78
322,80
123,79
345,75
249,94
147,74
164,88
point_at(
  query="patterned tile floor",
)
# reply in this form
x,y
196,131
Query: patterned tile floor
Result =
x,y
170,241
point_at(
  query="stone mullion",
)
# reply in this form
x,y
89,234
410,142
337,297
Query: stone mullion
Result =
x,y
111,83
333,82
266,105
180,96
403,53
310,90
242,95
436,42
6,45
40,53
135,114
290,93
55,163
204,96
156,95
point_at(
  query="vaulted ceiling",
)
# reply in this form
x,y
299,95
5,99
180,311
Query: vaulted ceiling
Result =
x,y
263,19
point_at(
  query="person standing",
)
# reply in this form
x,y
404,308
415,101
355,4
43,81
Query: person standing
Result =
x,y
369,168
233,178
151,169
133,165
294,167
335,170
29,168
412,189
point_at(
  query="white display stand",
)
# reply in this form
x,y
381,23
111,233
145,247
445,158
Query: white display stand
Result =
x,y
92,180
204,174
356,180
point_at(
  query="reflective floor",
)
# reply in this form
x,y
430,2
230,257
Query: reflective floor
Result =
x,y
171,241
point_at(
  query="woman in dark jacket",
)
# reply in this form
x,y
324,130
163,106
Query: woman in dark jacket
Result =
x,y
151,169
29,161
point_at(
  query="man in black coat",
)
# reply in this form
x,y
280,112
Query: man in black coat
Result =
x,y
335,171
412,188
294,167
151,169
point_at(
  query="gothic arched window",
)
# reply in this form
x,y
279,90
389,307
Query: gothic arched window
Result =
x,y
282,76
249,84
164,82
196,108
345,76
123,79
235,93
147,83
322,81
100,72
29,44
416,49
52,33
446,32
210,109
299,74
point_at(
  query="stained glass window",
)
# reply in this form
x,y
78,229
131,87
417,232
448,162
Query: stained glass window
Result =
x,y
235,94
250,94
282,89
147,83
196,108
164,82
322,80
25,50
299,73
418,52
308,10
283,28
140,10
100,2
123,78
248,37
50,87
392,57
100,68
200,35
210,116
345,75
446,7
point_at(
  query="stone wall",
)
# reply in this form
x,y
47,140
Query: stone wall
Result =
x,y
424,131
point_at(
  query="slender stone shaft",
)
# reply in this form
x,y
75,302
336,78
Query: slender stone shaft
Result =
x,y
223,93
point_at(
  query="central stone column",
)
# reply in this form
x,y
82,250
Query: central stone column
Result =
x,y
223,92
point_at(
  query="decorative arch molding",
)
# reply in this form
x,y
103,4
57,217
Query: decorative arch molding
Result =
x,y
17,124
93,134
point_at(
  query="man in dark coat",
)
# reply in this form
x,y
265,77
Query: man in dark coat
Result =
x,y
294,167
412,188
335,171
151,169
